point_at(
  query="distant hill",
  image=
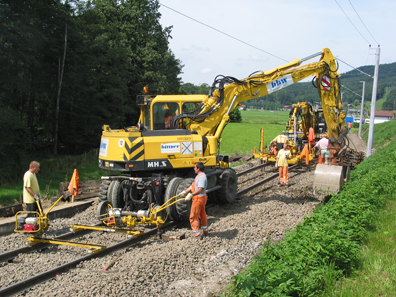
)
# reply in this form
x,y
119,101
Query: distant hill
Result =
x,y
306,92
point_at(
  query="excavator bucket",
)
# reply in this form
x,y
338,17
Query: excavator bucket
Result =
x,y
330,178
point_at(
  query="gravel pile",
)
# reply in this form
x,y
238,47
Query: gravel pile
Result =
x,y
187,267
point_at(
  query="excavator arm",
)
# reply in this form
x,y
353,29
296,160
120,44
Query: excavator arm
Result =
x,y
227,92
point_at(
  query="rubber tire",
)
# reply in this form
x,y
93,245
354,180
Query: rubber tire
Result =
x,y
116,196
171,190
229,183
183,208
103,190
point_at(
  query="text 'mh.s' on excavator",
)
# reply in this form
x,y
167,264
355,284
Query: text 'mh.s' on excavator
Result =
x,y
154,160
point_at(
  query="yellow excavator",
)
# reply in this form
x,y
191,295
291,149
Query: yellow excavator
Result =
x,y
154,160
302,118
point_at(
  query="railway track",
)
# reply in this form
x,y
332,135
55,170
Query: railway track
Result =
x,y
51,273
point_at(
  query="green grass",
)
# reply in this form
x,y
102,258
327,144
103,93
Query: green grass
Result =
x,y
265,117
383,133
241,138
53,171
378,104
376,275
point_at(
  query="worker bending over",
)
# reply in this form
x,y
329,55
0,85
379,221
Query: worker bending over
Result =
x,y
278,142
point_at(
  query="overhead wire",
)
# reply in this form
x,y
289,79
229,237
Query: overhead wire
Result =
x,y
355,68
362,22
228,35
351,91
351,22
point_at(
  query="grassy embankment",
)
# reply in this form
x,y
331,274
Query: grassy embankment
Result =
x,y
237,138
376,273
346,247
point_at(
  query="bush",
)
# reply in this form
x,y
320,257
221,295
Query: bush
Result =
x,y
235,116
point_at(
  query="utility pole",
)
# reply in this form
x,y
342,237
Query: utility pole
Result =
x,y
361,110
373,99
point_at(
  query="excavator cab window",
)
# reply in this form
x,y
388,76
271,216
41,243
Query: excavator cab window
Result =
x,y
188,108
163,112
146,117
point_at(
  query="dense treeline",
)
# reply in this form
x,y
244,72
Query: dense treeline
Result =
x,y
95,56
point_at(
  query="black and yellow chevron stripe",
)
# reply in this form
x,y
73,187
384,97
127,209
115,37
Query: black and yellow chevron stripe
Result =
x,y
134,149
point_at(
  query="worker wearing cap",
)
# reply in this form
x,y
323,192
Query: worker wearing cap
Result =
x,y
323,146
283,164
197,192
281,139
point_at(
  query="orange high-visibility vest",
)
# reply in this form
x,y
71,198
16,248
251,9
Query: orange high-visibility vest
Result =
x,y
281,139
168,122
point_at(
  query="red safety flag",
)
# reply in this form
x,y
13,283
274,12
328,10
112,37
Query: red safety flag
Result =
x,y
73,185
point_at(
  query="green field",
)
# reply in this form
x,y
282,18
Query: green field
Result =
x,y
242,137
265,117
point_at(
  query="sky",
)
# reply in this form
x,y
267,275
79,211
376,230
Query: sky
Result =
x,y
267,34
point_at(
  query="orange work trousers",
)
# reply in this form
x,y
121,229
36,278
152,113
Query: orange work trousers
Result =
x,y
198,212
284,175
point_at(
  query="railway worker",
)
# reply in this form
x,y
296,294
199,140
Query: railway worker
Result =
x,y
197,192
278,142
168,119
31,189
323,146
283,164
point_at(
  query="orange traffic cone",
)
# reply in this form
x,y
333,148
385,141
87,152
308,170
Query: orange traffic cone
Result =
x,y
73,185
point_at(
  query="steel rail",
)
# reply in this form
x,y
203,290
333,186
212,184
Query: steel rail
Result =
x,y
265,180
52,273
9,255
253,169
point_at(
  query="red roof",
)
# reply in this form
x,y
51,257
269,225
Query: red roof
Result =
x,y
384,113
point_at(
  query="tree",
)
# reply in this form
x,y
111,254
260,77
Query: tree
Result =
x,y
235,115
114,48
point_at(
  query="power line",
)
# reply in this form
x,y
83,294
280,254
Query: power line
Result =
x,y
355,68
362,22
351,21
224,33
351,91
